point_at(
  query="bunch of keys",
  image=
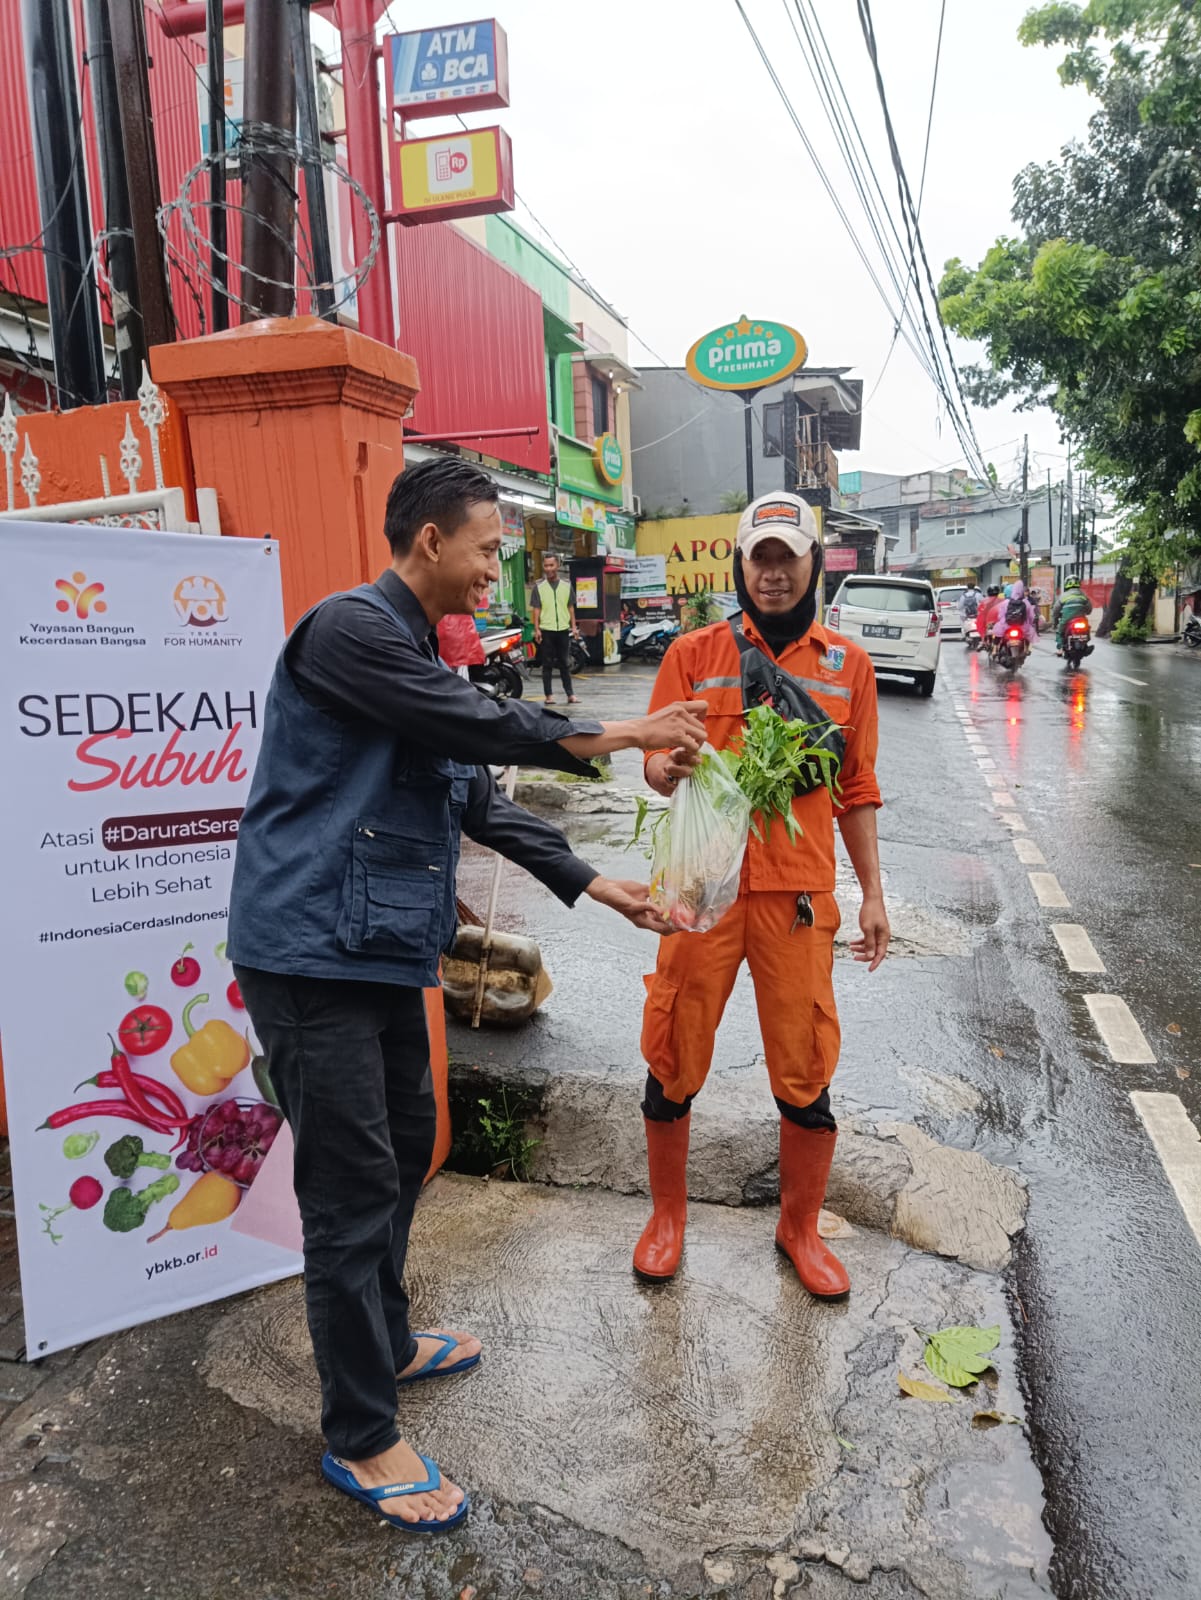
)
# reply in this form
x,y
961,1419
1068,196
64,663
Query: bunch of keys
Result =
x,y
804,913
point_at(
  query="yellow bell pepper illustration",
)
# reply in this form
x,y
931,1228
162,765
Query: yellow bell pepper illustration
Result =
x,y
212,1054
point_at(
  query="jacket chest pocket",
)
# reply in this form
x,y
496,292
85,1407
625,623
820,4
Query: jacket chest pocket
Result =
x,y
395,894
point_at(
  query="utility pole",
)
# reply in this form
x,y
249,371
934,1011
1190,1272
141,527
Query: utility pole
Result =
x,y
314,171
1024,544
269,230
365,158
214,29
127,25
58,146
102,75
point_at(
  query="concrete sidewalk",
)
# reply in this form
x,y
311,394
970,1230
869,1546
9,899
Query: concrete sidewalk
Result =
x,y
725,1435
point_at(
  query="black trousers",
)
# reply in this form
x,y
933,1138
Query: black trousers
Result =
x,y
556,650
350,1064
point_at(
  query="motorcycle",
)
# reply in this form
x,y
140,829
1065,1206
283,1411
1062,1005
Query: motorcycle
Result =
x,y
1012,649
971,634
1192,633
499,674
1076,644
647,640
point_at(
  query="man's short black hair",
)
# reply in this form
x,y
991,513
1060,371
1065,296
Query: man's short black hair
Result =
x,y
442,492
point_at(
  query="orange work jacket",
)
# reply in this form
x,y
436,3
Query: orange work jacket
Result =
x,y
706,665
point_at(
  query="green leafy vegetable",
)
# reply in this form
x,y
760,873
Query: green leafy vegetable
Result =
x,y
959,1355
125,1211
78,1145
773,759
126,1155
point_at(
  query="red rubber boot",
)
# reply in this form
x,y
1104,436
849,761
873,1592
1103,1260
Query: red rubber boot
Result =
x,y
806,1155
657,1253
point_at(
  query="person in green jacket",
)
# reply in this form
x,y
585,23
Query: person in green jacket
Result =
x,y
1073,602
552,605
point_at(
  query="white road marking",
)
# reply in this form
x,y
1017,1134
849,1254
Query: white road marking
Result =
x,y
1012,820
995,780
1001,798
986,764
1120,1033
1028,852
1077,947
1178,1145
1046,889
1139,683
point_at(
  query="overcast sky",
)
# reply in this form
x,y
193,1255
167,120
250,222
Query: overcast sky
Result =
x,y
649,140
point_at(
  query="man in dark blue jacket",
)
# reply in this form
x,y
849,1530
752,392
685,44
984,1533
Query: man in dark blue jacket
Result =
x,y
373,758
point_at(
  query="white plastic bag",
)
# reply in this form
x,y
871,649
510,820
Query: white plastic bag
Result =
x,y
696,864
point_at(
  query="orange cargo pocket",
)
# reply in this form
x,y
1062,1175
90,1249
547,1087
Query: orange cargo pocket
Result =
x,y
658,1022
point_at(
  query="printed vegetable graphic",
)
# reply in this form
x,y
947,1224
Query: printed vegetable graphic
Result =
x,y
125,1211
126,1155
92,1108
186,971
137,984
132,1090
234,995
78,1145
172,1105
211,1198
81,1196
144,1030
213,1054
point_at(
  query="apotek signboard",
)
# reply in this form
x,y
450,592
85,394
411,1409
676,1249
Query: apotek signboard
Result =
x,y
443,70
746,354
459,175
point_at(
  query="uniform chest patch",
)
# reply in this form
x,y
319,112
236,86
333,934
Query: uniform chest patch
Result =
x,y
834,658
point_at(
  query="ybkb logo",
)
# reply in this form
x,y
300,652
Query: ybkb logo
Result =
x,y
79,596
200,602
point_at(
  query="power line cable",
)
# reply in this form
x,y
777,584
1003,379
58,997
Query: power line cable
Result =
x,y
913,230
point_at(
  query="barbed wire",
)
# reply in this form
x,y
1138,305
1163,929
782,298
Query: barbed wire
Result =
x,y
258,140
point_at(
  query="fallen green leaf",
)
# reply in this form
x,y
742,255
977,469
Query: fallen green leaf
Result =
x,y
959,1355
923,1391
845,1443
992,1419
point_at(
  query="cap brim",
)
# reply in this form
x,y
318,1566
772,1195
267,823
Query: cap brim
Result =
x,y
798,542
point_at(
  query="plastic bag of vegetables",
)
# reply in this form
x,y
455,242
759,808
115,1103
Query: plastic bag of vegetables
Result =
x,y
697,846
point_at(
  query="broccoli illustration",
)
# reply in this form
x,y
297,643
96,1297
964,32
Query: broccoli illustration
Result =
x,y
125,1211
125,1157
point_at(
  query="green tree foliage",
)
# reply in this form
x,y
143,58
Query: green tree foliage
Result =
x,y
1094,307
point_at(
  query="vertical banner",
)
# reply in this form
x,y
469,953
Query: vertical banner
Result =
x,y
133,670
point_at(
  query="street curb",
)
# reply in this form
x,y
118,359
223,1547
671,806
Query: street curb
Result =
x,y
890,1176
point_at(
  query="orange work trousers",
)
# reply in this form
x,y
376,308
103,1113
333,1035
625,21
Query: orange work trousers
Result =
x,y
793,973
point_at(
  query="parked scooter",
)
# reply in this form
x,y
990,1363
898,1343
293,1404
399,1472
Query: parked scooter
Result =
x,y
647,640
1012,649
499,674
1192,633
1076,642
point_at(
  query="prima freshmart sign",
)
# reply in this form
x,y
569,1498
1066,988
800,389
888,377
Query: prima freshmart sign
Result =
x,y
746,354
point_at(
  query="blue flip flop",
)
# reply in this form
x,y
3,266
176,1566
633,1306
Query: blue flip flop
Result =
x,y
340,1475
431,1368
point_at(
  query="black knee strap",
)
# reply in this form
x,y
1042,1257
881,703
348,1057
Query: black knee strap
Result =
x,y
815,1115
658,1108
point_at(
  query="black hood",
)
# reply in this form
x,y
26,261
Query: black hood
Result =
x,y
785,627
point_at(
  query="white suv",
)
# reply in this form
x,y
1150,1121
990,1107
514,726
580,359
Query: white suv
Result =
x,y
895,620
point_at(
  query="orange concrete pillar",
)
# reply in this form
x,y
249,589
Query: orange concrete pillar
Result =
x,y
297,424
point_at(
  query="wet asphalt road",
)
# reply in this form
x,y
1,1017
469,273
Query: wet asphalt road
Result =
x,y
997,1051
1105,769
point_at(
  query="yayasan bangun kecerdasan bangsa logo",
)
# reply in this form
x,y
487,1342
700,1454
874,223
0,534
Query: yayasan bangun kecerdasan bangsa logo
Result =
x,y
200,602
79,596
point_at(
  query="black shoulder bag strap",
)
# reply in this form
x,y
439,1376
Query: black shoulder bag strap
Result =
x,y
765,683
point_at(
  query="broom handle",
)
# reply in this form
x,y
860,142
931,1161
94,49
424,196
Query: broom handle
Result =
x,y
508,782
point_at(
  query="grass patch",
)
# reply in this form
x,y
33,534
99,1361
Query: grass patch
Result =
x,y
491,1131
